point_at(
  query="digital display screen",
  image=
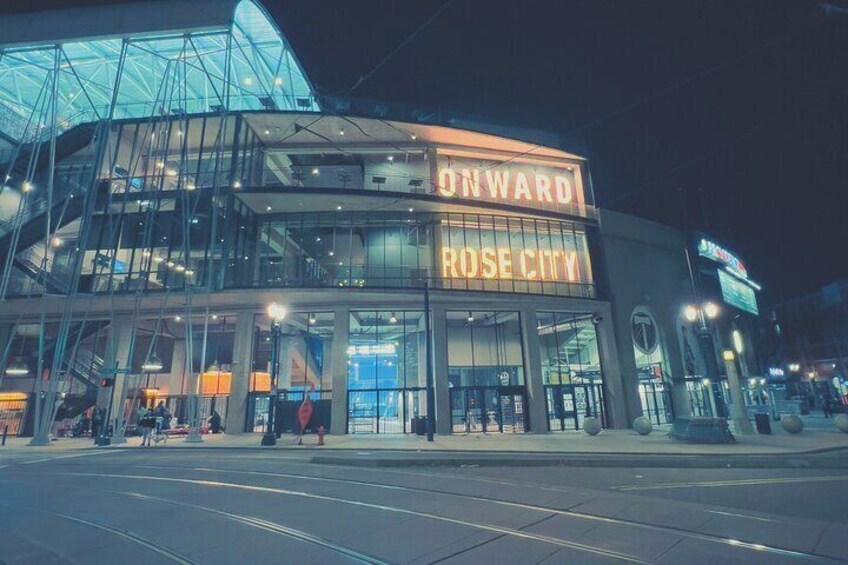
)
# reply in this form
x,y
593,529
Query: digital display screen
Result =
x,y
737,293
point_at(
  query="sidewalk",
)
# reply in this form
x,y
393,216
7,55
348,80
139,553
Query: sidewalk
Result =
x,y
817,437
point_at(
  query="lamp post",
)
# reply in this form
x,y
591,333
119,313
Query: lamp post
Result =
x,y
277,313
702,315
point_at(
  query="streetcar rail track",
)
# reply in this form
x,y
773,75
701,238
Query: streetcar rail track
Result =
x,y
732,542
143,542
266,525
476,525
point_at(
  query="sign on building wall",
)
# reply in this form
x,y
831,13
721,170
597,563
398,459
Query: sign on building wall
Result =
x,y
715,252
545,187
469,253
737,293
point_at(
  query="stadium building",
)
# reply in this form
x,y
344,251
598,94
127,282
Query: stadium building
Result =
x,y
170,172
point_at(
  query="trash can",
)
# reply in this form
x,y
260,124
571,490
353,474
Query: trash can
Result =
x,y
419,425
763,423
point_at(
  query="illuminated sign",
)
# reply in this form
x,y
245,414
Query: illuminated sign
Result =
x,y
776,372
715,252
737,293
372,349
535,186
504,263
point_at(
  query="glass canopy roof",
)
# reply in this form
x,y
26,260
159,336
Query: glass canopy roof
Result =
x,y
248,66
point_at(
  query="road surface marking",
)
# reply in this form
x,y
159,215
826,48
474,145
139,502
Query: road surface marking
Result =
x,y
734,514
486,527
262,524
145,543
733,483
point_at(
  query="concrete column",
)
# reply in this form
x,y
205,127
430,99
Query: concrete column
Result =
x,y
737,399
176,382
536,409
440,369
341,333
285,369
118,359
621,395
242,363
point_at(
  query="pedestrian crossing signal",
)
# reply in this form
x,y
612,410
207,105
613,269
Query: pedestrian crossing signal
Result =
x,y
106,382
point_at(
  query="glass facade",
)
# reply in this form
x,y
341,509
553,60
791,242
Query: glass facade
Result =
x,y
386,364
486,372
571,369
401,250
305,357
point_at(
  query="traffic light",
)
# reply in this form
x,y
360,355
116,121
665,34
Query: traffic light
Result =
x,y
107,382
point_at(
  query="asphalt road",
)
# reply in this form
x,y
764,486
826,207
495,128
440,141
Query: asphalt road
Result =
x,y
226,506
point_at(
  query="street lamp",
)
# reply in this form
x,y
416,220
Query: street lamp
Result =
x,y
277,313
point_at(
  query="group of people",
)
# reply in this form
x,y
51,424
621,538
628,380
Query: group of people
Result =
x,y
158,419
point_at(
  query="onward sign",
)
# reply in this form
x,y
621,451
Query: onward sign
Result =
x,y
558,189
715,252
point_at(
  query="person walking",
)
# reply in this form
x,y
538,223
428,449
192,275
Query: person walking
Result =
x,y
146,424
826,407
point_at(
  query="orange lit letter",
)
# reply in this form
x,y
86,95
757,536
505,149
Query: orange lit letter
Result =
x,y
447,182
563,189
490,265
449,262
505,262
471,183
497,183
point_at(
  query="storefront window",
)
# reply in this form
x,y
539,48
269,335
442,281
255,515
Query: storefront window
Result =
x,y
305,358
571,369
650,366
386,364
486,372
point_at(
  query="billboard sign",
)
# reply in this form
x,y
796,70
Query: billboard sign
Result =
x,y
714,252
738,293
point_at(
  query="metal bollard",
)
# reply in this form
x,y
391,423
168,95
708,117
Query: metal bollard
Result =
x,y
5,433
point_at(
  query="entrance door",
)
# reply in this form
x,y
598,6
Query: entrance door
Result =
x,y
656,401
488,409
569,405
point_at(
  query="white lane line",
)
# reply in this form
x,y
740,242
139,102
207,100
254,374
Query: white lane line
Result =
x,y
737,515
731,483
486,527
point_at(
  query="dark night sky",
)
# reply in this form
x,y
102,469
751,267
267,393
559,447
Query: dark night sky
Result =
x,y
742,106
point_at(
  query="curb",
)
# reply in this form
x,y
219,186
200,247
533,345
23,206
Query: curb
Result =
x,y
778,461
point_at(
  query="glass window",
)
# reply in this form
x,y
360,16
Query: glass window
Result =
x,y
568,346
484,349
386,367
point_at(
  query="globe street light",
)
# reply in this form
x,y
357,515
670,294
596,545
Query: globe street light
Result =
x,y
277,313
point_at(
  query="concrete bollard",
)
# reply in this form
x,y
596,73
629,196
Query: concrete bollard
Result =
x,y
643,425
841,421
592,426
792,423
321,433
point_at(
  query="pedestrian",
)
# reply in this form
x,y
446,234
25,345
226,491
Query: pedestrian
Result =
x,y
96,421
826,407
146,424
163,417
215,422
